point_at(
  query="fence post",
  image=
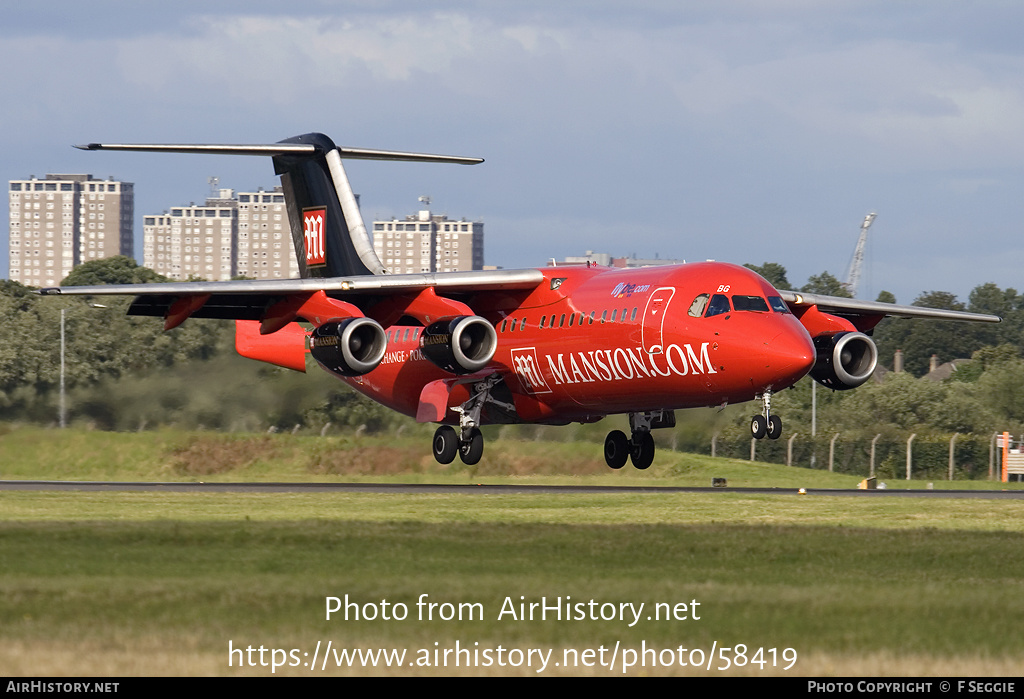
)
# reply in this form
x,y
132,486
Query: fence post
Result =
x,y
753,449
910,452
873,442
832,450
714,439
992,456
952,441
789,449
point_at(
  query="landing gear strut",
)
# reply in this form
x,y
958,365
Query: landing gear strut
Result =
x,y
639,447
766,424
469,442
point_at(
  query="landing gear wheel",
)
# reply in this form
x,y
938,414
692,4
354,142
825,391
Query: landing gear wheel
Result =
x,y
472,447
642,452
616,449
446,444
774,427
758,427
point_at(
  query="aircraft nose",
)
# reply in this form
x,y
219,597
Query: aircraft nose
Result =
x,y
790,355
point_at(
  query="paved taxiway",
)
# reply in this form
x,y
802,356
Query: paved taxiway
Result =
x,y
479,489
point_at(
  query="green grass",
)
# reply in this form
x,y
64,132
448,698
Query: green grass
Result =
x,y
128,583
33,453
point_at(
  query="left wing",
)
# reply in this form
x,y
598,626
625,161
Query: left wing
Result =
x,y
275,303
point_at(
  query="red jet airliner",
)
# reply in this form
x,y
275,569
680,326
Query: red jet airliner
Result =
x,y
552,346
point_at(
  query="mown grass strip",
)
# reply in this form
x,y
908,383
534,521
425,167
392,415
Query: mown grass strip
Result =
x,y
815,588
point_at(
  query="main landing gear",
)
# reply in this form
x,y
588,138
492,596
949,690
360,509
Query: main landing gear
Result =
x,y
447,443
766,424
469,442
640,446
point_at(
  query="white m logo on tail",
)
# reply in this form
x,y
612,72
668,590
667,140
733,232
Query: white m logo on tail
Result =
x,y
313,229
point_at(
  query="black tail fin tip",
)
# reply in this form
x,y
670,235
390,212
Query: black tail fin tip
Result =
x,y
328,233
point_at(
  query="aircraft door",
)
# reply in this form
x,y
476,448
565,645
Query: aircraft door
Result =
x,y
654,319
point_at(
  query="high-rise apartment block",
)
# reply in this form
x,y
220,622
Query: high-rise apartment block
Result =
x,y
64,220
245,234
428,242
265,249
193,241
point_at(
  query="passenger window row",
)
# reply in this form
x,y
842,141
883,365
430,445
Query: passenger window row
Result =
x,y
569,320
704,305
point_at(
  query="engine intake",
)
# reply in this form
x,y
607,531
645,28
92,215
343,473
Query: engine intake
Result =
x,y
350,347
460,345
845,360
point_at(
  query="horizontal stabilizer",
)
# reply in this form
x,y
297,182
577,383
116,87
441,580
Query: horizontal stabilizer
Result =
x,y
279,149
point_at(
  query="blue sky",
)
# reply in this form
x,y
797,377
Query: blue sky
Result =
x,y
739,131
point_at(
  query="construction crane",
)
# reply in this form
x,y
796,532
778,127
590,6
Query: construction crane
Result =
x,y
857,263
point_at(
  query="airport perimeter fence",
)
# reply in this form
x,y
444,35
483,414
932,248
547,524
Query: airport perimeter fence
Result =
x,y
974,457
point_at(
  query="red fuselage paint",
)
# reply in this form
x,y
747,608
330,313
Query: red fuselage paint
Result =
x,y
590,342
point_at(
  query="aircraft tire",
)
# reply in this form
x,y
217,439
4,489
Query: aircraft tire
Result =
x,y
616,449
471,449
642,452
758,427
446,444
774,427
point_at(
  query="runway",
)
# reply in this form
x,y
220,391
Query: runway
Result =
x,y
479,489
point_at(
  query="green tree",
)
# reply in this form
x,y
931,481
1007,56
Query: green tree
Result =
x,y
1005,303
102,342
773,272
921,338
111,270
910,404
825,284
1002,388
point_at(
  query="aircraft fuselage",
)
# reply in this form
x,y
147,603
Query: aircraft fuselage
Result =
x,y
594,341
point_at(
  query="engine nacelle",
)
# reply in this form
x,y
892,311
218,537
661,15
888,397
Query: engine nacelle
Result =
x,y
460,345
350,347
845,360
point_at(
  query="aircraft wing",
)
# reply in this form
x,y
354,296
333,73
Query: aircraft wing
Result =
x,y
250,299
855,308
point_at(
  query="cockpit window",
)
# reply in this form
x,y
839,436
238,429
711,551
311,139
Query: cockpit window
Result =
x,y
719,304
777,304
698,305
749,303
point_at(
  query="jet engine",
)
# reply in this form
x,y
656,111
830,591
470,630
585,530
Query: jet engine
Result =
x,y
460,345
350,347
845,360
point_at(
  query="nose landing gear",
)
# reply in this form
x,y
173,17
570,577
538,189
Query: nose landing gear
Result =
x,y
766,424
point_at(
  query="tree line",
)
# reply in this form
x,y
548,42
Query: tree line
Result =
x,y
125,373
